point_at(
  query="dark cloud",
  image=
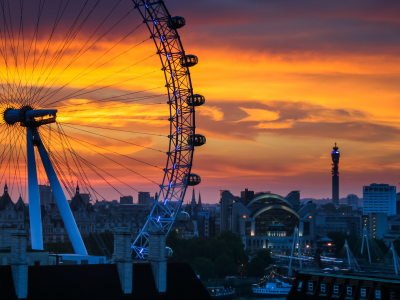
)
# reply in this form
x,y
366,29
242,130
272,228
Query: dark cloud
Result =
x,y
284,27
308,120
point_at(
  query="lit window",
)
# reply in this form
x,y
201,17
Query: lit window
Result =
x,y
300,285
310,286
323,288
349,290
377,294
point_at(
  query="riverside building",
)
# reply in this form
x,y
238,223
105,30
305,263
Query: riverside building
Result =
x,y
379,198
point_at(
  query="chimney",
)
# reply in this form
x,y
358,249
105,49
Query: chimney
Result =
x,y
157,257
19,266
122,257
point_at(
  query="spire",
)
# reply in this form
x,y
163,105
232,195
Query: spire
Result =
x,y
193,198
77,188
335,148
199,205
5,188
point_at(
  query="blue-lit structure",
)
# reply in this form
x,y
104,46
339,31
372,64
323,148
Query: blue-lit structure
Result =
x,y
335,175
182,139
32,119
35,84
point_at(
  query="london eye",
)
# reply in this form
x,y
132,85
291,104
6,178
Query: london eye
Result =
x,y
97,93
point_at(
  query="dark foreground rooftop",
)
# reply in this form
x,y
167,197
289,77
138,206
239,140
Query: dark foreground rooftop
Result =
x,y
98,282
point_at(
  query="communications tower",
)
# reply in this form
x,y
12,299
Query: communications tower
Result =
x,y
335,175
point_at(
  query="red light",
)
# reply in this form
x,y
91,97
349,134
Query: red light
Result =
x,y
310,217
244,217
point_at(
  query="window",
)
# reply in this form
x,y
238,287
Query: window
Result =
x,y
300,285
363,292
37,263
84,262
377,294
336,289
310,286
392,294
349,290
323,287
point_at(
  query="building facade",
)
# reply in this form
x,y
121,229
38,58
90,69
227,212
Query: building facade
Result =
x,y
269,220
379,198
376,224
126,200
350,224
352,200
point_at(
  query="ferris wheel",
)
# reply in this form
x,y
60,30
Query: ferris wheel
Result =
x,y
82,89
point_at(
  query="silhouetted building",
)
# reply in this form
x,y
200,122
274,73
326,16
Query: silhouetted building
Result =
x,y
246,196
294,198
226,200
352,200
46,195
144,198
126,200
398,204
335,175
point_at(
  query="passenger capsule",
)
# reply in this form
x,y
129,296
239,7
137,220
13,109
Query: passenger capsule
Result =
x,y
189,60
199,140
194,179
176,22
196,100
183,216
168,252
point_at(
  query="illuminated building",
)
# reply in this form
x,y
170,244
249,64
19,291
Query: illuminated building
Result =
x,y
268,222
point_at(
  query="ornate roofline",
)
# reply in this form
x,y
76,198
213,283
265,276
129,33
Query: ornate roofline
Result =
x,y
275,196
264,209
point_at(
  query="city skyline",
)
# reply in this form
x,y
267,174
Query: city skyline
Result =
x,y
282,85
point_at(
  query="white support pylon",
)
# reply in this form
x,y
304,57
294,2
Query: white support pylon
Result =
x,y
33,192
394,259
291,255
62,203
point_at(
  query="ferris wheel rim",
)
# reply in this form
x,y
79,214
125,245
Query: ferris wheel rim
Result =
x,y
156,16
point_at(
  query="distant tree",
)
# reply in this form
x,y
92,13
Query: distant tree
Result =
x,y
382,246
204,267
329,207
344,209
265,256
235,245
225,266
256,267
339,238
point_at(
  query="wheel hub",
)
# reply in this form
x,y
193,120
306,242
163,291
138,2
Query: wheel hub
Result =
x,y
29,117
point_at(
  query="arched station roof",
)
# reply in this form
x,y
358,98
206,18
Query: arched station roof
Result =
x,y
274,196
264,209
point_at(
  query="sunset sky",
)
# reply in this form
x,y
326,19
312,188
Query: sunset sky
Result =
x,y
283,81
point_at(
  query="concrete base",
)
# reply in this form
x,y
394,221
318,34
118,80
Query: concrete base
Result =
x,y
20,276
19,265
122,258
157,258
